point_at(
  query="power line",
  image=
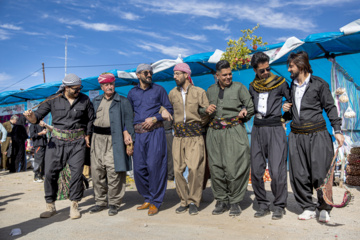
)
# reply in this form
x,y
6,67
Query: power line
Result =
x,y
123,64
20,80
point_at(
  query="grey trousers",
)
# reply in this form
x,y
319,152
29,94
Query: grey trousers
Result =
x,y
109,186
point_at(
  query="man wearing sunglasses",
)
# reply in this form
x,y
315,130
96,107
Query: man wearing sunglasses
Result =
x,y
150,154
268,138
72,118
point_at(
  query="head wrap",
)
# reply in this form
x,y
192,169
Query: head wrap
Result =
x,y
143,67
69,80
106,78
183,67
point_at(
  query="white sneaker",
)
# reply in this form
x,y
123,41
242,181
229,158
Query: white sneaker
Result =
x,y
307,214
324,216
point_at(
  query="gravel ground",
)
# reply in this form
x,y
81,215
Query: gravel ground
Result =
x,y
22,200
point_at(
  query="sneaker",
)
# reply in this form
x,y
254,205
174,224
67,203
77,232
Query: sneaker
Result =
x,y
220,207
278,213
113,210
306,215
261,213
38,179
193,210
181,209
235,210
324,216
96,209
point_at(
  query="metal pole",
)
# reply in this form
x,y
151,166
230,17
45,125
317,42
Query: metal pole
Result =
x,y
43,67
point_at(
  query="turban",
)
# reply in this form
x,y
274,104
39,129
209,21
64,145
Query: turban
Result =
x,y
183,67
143,67
106,78
69,80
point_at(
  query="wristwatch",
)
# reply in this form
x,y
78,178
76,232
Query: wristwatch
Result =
x,y
338,131
154,120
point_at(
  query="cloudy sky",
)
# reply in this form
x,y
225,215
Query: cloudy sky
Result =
x,y
113,34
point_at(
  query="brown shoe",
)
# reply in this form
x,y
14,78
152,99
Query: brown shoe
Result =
x,y
153,210
74,210
145,205
50,210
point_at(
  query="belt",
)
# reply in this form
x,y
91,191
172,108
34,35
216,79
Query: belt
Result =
x,y
223,123
187,129
267,122
307,128
68,135
102,130
139,129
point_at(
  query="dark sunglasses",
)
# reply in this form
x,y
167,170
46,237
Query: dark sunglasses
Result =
x,y
146,73
261,71
77,89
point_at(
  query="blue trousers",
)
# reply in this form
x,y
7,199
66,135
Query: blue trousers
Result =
x,y
150,165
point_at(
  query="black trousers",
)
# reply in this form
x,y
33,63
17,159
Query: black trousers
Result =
x,y
310,159
57,154
269,143
39,162
170,163
18,157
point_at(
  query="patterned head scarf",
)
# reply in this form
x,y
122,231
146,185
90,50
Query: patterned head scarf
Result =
x,y
106,78
69,80
143,67
183,67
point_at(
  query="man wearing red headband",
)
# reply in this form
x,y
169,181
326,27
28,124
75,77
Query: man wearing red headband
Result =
x,y
189,103
109,155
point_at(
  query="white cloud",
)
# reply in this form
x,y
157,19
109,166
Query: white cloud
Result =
x,y
281,39
128,16
5,77
200,38
122,53
172,51
222,28
4,35
35,74
103,27
10,27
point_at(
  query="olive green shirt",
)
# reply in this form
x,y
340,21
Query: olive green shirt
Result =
x,y
102,113
236,97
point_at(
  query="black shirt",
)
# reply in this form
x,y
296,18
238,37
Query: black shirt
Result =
x,y
68,117
38,140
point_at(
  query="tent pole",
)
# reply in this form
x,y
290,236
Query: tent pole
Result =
x,y
43,68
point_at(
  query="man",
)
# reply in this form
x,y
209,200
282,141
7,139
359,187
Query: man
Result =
x,y
38,136
109,159
19,136
227,142
150,155
72,118
3,134
310,145
268,138
188,149
5,145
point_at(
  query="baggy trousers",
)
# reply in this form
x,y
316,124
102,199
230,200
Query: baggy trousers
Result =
x,y
310,159
150,165
189,152
57,154
269,143
109,186
229,163
39,162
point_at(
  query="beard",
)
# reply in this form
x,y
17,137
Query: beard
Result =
x,y
180,83
294,75
146,80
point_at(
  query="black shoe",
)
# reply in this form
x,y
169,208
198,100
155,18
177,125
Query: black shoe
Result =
x,y
278,213
235,210
181,209
193,210
262,213
113,210
96,209
220,207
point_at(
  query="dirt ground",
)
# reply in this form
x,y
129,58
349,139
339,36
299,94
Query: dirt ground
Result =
x,y
22,200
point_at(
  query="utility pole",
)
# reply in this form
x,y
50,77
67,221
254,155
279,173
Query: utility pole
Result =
x,y
43,67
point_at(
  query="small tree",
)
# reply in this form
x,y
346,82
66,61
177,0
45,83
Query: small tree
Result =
x,y
238,52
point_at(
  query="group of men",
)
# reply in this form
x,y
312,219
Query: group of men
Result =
x,y
121,127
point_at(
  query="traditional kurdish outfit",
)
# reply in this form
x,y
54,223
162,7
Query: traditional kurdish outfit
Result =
x,y
150,154
268,139
310,145
227,142
188,145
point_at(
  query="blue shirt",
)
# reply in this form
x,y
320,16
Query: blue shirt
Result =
x,y
146,103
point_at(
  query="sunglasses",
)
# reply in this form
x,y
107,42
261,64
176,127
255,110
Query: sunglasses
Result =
x,y
77,89
261,71
146,73
178,73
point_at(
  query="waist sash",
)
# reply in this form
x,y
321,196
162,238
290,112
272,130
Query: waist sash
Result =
x,y
68,135
223,123
187,129
270,122
309,127
102,130
139,129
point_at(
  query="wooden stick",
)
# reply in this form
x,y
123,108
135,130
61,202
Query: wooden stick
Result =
x,y
46,100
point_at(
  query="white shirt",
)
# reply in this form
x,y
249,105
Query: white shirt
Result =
x,y
262,104
183,94
299,92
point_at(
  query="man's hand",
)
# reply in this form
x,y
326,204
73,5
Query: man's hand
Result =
x,y
210,109
43,132
30,116
340,139
286,107
127,137
130,149
42,123
148,123
87,140
166,115
284,126
242,113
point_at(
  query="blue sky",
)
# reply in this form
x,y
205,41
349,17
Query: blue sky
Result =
x,y
107,34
